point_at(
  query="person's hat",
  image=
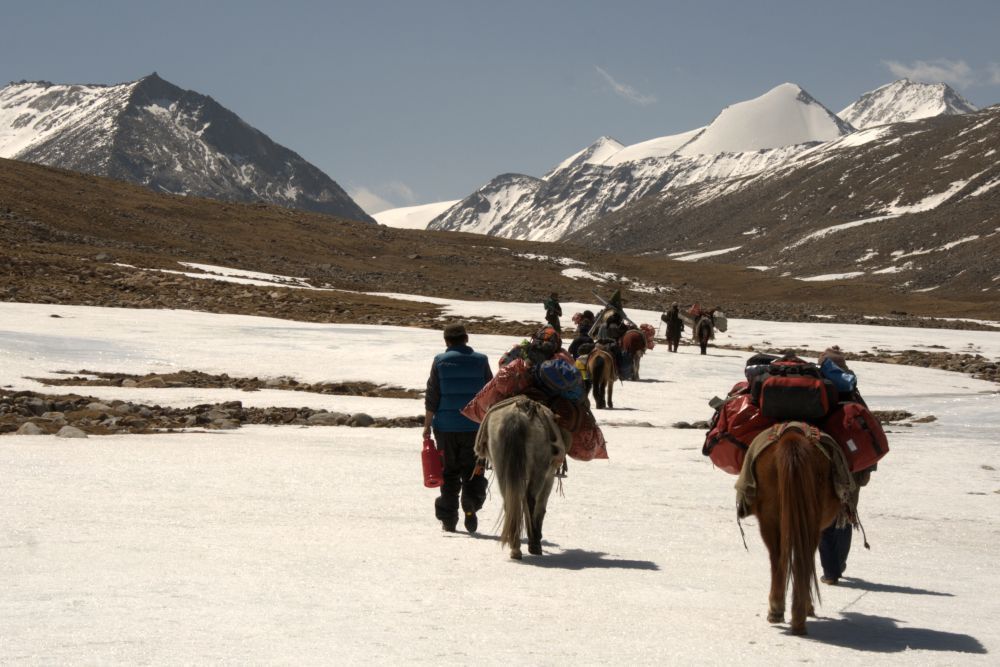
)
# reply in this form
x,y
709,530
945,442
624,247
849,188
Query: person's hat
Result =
x,y
455,330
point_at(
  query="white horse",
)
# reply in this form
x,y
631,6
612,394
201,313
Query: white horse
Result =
x,y
522,440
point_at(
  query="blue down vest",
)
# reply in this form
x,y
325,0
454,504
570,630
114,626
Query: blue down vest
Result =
x,y
462,373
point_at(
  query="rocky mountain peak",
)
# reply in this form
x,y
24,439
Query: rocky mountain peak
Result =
x,y
905,100
159,135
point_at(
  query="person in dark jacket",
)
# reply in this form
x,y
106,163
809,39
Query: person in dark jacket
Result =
x,y
457,375
553,311
586,322
675,326
835,543
582,339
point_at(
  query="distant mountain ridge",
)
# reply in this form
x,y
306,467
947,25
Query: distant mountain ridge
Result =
x,y
905,100
745,139
156,134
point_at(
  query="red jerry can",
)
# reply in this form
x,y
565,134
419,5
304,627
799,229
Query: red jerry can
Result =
x,y
433,466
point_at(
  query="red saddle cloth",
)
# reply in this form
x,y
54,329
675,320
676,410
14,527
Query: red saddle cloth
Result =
x,y
515,378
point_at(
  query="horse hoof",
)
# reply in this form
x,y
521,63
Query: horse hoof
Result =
x,y
515,555
775,618
799,630
535,549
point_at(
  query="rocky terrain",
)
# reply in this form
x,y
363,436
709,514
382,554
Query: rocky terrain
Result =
x,y
74,416
64,238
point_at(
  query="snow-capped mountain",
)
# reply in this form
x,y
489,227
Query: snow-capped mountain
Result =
x,y
412,217
905,100
914,205
744,139
155,134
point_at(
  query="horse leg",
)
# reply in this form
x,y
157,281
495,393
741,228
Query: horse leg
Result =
x,y
599,392
776,598
611,388
538,500
534,525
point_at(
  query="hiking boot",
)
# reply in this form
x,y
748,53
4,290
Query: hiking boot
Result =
x,y
471,522
449,526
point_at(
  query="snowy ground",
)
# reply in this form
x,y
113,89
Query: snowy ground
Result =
x,y
318,544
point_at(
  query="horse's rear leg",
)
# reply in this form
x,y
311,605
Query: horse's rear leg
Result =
x,y
599,393
534,523
771,533
611,388
802,605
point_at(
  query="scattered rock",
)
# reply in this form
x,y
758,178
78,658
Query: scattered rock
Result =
x,y
30,428
360,419
70,432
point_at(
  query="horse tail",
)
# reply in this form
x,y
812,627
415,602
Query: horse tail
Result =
x,y
511,475
798,497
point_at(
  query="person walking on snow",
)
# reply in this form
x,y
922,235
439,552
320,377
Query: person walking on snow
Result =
x,y
675,326
553,311
456,376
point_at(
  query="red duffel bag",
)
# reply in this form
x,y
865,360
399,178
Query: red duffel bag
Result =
x,y
732,428
858,433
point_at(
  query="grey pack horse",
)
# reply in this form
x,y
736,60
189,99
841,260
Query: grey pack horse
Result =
x,y
525,445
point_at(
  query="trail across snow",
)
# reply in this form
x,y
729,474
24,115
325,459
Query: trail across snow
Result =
x,y
318,545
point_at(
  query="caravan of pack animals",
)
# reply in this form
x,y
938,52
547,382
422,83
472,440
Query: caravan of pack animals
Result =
x,y
798,434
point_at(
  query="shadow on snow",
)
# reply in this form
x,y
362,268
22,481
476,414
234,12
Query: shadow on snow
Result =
x,y
881,634
581,559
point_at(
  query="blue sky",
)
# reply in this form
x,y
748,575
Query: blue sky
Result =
x,y
417,101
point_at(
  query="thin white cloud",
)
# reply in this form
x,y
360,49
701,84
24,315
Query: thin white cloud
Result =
x,y
624,90
993,72
382,197
955,72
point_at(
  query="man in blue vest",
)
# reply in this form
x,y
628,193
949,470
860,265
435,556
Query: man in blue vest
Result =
x,y
457,375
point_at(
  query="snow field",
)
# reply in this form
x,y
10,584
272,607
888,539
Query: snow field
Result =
x,y
319,545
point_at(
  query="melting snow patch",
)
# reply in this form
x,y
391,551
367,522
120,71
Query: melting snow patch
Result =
x,y
577,274
985,187
931,202
836,228
271,278
564,261
760,268
832,276
896,269
869,254
711,253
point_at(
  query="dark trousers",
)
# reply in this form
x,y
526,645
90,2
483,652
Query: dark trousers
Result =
x,y
834,545
553,321
460,486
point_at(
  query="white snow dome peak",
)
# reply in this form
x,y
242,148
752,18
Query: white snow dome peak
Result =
x,y
786,115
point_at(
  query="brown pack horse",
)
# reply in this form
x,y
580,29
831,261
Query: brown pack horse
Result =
x,y
703,332
601,366
795,501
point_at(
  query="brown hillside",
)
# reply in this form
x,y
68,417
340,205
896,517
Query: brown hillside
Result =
x,y
64,233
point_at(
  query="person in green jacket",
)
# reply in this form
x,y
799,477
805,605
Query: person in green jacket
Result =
x,y
553,311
